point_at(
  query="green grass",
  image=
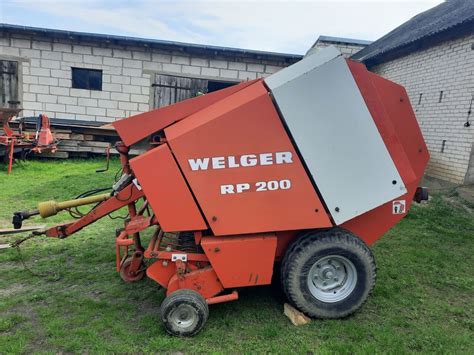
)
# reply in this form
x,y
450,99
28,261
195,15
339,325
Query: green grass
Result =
x,y
423,300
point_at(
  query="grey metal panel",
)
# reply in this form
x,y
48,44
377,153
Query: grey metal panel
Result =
x,y
308,63
337,138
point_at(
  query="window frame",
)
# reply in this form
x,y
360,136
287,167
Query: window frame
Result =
x,y
76,84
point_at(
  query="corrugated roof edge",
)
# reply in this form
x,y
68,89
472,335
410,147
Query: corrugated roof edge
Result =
x,y
379,52
149,42
453,32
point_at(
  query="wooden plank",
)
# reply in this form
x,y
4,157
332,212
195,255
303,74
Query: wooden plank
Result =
x,y
94,144
3,92
79,155
68,143
8,231
58,155
13,68
77,136
296,317
62,135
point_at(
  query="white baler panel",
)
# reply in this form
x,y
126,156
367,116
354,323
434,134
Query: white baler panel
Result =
x,y
337,138
303,66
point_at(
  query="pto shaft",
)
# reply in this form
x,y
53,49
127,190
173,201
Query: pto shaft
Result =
x,y
50,208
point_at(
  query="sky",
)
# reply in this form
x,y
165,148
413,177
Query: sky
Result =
x,y
277,26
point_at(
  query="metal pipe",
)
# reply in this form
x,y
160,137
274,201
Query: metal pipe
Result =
x,y
224,298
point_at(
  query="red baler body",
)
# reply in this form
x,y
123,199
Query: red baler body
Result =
x,y
239,125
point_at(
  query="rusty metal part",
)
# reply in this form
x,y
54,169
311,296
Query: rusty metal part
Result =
x,y
43,141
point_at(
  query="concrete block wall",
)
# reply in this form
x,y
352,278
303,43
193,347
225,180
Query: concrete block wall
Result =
x,y
446,68
46,85
346,49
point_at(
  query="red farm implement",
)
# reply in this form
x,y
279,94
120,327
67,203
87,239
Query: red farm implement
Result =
x,y
41,141
304,169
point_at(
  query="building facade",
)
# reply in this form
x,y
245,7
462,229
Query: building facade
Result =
x,y
90,77
432,56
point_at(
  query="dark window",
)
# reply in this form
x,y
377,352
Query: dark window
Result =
x,y
89,79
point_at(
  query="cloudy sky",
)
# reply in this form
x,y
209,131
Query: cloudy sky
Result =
x,y
280,26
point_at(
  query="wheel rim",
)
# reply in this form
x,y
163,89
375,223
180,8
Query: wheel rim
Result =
x,y
183,316
332,278
127,276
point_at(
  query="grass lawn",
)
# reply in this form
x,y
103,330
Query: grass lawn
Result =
x,y
423,300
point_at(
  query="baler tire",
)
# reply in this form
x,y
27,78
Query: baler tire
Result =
x,y
189,301
125,276
345,250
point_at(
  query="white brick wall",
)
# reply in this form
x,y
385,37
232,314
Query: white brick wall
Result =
x,y
346,50
448,67
127,75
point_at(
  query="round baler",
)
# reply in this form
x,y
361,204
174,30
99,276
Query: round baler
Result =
x,y
303,170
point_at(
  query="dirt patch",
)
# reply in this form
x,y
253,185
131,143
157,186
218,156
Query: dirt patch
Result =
x,y
459,203
466,193
12,290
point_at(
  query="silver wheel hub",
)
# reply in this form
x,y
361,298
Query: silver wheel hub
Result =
x,y
332,278
183,316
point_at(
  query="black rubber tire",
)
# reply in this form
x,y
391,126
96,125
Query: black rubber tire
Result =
x,y
188,297
312,246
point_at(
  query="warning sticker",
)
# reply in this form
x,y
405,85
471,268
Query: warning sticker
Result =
x,y
399,207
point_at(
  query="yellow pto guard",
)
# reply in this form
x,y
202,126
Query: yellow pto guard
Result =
x,y
50,208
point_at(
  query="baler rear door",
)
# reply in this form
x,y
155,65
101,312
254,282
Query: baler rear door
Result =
x,y
335,134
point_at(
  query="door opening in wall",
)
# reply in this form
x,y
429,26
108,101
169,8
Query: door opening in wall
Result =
x,y
218,85
9,84
170,89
